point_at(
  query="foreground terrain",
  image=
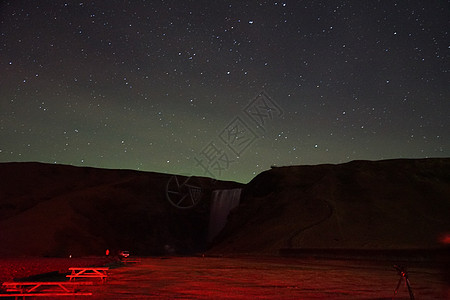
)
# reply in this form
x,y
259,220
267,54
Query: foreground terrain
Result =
x,y
241,278
267,278
13,269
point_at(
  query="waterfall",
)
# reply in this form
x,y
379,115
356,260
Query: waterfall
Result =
x,y
222,202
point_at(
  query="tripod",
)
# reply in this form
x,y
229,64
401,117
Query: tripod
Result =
x,y
401,270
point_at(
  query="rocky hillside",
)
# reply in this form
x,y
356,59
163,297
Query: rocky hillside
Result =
x,y
56,210
392,204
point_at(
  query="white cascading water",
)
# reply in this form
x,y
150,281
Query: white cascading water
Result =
x,y
222,202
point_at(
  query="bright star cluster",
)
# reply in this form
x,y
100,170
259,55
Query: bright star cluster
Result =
x,y
224,89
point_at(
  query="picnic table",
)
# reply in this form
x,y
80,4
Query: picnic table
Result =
x,y
88,272
130,261
46,289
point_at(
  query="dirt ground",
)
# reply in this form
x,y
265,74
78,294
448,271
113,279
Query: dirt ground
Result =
x,y
266,278
12,269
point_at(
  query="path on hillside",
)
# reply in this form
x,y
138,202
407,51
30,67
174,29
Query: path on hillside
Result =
x,y
263,278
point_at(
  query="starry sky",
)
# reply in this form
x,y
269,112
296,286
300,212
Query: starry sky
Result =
x,y
224,89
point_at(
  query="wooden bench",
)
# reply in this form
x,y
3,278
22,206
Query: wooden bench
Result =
x,y
43,289
89,272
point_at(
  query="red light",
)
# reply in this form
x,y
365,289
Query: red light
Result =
x,y
445,239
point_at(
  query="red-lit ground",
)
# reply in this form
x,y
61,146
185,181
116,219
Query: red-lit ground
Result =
x,y
244,278
16,268
266,278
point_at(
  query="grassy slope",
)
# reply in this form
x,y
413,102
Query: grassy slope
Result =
x,y
54,210
361,205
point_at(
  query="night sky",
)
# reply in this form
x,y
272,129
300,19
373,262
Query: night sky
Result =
x,y
224,89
